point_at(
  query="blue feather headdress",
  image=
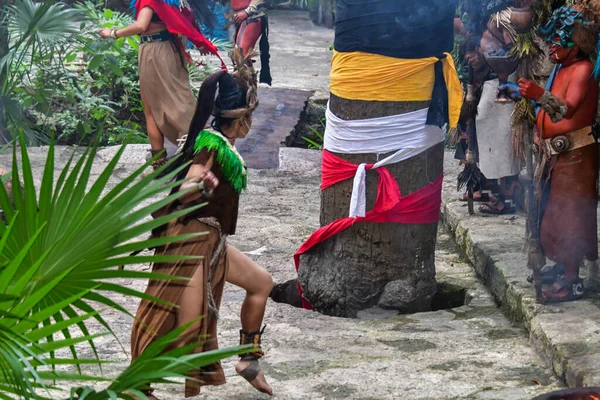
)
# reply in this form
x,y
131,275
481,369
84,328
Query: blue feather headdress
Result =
x,y
561,27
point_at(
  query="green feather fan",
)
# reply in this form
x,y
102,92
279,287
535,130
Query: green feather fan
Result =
x,y
231,162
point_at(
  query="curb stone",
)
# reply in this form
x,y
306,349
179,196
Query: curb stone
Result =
x,y
568,334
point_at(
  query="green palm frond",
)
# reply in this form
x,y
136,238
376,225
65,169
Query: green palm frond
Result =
x,y
37,32
46,22
221,44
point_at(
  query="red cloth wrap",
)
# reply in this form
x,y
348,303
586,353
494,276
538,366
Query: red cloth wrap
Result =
x,y
180,22
420,207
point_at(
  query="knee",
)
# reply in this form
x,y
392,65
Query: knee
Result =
x,y
264,283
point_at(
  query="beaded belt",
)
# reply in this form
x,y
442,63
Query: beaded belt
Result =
x,y
156,37
569,141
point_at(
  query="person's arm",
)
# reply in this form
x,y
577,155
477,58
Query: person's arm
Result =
x,y
200,177
556,107
139,26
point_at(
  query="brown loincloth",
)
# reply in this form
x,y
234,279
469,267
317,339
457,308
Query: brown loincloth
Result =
x,y
568,231
165,87
154,320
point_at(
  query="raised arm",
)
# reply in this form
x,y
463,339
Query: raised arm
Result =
x,y
560,108
200,177
139,26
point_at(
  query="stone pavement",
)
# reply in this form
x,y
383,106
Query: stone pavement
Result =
x,y
568,334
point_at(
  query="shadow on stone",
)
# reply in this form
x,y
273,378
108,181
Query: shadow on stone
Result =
x,y
447,296
287,293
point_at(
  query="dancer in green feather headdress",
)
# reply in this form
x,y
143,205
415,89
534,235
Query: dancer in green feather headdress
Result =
x,y
216,177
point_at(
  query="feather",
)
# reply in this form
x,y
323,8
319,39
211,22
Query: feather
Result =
x,y
471,177
231,162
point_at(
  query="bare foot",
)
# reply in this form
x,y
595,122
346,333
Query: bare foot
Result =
x,y
249,370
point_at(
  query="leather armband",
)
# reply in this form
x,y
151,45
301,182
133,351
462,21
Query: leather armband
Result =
x,y
254,7
251,10
554,106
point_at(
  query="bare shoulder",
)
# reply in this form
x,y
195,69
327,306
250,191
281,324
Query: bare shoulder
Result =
x,y
582,70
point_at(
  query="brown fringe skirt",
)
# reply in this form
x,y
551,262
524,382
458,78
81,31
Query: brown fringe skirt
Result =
x,y
165,88
154,320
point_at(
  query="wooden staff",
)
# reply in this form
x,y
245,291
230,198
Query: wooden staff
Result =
x,y
535,255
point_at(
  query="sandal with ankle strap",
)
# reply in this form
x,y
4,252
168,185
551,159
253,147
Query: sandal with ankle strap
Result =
x,y
564,290
253,369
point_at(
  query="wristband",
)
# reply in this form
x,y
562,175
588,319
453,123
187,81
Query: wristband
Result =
x,y
554,106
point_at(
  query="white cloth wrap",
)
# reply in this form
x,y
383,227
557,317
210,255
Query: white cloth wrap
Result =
x,y
494,133
406,135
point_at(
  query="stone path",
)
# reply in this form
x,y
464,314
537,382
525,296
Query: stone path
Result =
x,y
272,122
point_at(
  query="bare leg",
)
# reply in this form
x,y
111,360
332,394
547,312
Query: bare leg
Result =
x,y
257,282
190,309
191,306
248,35
154,135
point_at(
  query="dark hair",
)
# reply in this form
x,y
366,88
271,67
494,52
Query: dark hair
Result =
x,y
230,97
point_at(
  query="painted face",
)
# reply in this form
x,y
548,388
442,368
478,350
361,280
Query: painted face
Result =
x,y
559,54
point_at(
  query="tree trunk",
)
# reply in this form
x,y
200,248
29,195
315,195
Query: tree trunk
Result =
x,y
4,135
370,264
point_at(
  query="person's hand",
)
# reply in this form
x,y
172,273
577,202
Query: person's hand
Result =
x,y
530,89
511,90
209,181
240,17
474,59
105,33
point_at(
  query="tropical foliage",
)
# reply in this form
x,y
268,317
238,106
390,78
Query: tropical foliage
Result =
x,y
35,34
59,253
63,78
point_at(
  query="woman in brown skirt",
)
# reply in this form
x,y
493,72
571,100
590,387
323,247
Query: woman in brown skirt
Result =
x,y
164,80
215,163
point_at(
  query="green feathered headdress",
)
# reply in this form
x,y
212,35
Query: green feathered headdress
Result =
x,y
231,162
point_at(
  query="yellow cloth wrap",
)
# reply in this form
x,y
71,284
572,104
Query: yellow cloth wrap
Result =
x,y
372,77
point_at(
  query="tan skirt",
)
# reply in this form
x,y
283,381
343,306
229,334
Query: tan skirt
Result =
x,y
165,88
154,320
